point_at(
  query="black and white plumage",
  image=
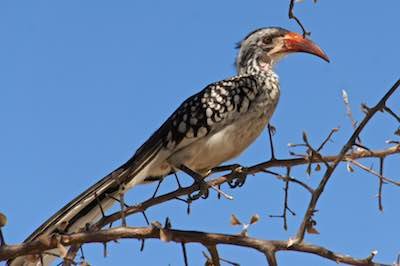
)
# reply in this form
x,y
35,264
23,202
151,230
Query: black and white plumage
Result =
x,y
209,128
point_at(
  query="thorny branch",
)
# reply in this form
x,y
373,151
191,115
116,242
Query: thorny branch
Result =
x,y
330,169
285,203
7,252
268,247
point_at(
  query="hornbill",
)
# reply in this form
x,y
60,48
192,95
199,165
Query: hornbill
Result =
x,y
209,128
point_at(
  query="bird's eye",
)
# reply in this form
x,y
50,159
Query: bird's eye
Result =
x,y
267,39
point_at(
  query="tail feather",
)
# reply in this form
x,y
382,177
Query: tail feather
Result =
x,y
82,210
85,208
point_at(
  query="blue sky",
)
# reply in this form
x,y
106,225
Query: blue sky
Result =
x,y
84,83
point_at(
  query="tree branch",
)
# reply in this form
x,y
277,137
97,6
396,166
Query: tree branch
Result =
x,y
329,171
178,236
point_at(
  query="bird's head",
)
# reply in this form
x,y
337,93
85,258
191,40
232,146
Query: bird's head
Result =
x,y
262,48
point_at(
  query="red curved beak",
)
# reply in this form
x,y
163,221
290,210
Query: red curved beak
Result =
x,y
294,42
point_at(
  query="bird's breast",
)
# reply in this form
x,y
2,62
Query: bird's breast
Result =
x,y
224,144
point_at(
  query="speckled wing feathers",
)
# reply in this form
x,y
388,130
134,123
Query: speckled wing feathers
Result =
x,y
209,110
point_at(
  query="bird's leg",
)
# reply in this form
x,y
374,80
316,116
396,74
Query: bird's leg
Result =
x,y
158,186
271,132
2,241
177,180
199,180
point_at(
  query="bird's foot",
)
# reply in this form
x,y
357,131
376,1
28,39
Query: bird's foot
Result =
x,y
238,179
203,190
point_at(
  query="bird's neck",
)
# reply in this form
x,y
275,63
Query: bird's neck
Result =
x,y
258,69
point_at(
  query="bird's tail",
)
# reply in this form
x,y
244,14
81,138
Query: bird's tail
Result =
x,y
86,208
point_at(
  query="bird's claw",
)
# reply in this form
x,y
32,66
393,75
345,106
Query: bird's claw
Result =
x,y
237,180
203,191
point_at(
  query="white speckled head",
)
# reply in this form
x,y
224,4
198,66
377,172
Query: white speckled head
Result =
x,y
264,47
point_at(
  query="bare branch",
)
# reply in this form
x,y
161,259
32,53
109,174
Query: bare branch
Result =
x,y
365,168
329,171
179,236
293,16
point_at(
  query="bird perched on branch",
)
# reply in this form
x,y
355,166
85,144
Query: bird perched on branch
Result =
x,y
209,128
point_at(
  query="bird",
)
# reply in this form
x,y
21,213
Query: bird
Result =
x,y
211,127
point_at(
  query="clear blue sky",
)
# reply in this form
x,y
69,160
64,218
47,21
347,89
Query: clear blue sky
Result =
x,y
84,83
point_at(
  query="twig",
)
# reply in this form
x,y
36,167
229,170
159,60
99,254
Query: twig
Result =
x,y
380,205
271,258
348,109
383,178
328,138
393,114
285,204
329,171
293,16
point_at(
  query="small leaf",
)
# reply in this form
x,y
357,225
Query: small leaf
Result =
x,y
312,230
235,220
318,167
397,132
255,218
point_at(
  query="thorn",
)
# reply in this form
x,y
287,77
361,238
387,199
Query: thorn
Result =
x,y
167,224
142,246
99,203
105,249
185,258
220,192
361,146
365,109
145,217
